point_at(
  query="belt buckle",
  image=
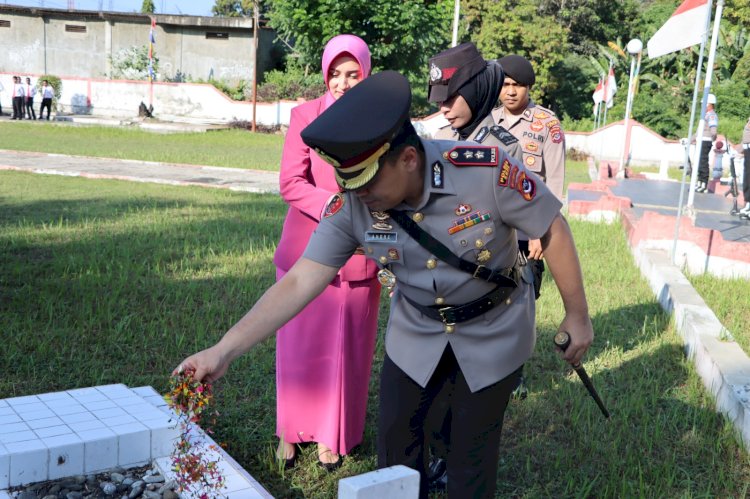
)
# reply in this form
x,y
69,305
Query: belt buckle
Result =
x,y
479,268
449,326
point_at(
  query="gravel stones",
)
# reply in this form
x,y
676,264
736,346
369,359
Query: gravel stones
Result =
x,y
117,483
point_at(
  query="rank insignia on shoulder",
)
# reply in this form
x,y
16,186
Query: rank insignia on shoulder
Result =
x,y
437,175
334,205
473,156
503,135
541,115
479,138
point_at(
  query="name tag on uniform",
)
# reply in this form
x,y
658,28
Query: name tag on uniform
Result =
x,y
372,236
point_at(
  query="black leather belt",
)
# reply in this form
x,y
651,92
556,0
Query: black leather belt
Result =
x,y
449,315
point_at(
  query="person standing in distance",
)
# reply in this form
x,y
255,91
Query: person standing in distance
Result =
x,y
324,355
745,212
29,92
709,136
47,94
543,145
466,88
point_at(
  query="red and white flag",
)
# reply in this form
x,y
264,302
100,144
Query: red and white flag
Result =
x,y
610,89
599,92
685,28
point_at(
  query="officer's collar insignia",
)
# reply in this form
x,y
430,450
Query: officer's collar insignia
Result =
x,y
381,220
481,135
527,114
473,155
462,209
334,205
437,175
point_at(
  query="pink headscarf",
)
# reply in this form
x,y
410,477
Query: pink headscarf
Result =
x,y
345,44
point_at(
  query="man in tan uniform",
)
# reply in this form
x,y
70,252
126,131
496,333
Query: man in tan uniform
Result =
x,y
462,314
542,141
466,87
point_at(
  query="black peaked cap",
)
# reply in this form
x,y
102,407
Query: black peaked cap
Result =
x,y
360,126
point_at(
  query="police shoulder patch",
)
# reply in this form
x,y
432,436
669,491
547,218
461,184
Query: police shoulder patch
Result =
x,y
515,178
334,205
472,155
503,135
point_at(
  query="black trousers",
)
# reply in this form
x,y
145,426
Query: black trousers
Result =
x,y
18,107
30,108
476,422
45,103
746,175
703,168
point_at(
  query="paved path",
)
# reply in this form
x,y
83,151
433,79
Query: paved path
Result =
x,y
141,171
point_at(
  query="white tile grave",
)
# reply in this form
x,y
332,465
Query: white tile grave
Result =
x,y
89,430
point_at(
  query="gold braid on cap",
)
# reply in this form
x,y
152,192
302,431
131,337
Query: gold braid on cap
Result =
x,y
370,159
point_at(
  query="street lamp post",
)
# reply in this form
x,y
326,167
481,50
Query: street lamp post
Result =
x,y
634,48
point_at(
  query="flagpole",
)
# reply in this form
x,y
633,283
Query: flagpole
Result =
x,y
686,158
456,12
605,102
634,47
702,124
606,93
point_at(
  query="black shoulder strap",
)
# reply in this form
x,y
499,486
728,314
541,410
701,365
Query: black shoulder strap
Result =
x,y
503,135
501,277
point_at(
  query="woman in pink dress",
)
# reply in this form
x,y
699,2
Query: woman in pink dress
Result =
x,y
324,355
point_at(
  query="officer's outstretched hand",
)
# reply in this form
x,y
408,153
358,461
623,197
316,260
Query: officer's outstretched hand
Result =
x,y
581,333
208,365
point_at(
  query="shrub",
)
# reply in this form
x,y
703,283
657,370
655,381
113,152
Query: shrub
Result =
x,y
291,84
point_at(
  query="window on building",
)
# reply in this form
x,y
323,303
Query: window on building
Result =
x,y
75,28
217,35
4,23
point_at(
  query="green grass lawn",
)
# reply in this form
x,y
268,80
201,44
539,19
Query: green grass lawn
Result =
x,y
228,148
113,282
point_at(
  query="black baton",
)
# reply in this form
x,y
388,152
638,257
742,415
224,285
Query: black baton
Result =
x,y
562,341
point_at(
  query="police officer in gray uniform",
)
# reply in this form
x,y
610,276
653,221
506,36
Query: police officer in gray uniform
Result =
x,y
462,314
466,87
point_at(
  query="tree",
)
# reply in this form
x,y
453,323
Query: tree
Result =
x,y
132,64
501,27
148,7
233,8
401,35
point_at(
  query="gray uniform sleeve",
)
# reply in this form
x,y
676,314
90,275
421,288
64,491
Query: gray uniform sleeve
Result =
x,y
333,242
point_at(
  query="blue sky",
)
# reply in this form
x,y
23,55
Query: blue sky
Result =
x,y
187,7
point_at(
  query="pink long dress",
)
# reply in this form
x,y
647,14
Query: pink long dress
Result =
x,y
324,355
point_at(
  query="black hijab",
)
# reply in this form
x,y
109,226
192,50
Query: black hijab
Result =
x,y
481,94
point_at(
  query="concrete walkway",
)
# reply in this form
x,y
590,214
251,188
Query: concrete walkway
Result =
x,y
141,171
